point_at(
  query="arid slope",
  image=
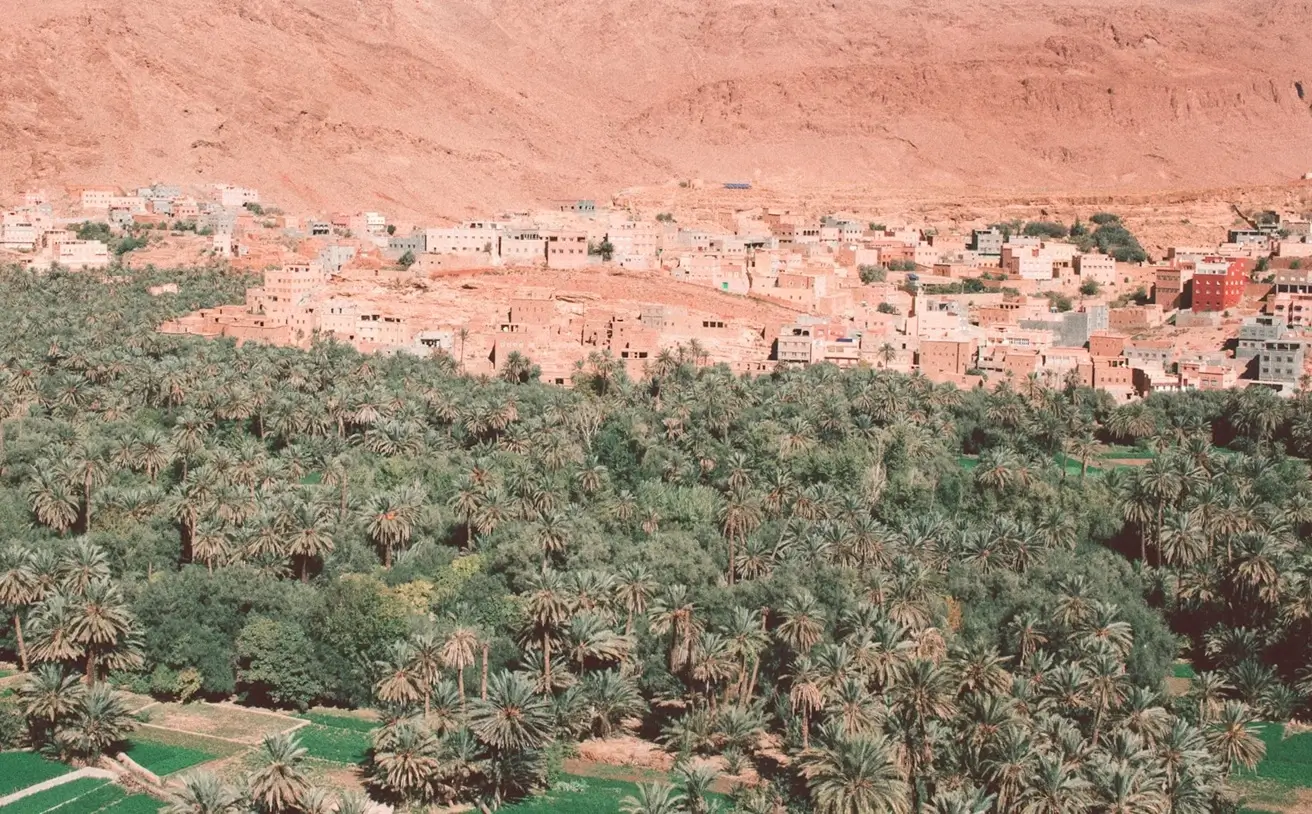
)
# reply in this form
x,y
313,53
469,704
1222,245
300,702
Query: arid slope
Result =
x,y
442,107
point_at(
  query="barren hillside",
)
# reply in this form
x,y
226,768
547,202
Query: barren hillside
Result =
x,y
441,107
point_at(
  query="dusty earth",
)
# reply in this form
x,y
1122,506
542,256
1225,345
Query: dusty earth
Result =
x,y
443,108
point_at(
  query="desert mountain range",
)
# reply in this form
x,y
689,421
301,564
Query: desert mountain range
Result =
x,y
441,108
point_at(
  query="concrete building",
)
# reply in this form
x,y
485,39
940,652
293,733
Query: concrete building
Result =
x,y
1291,309
1172,287
82,255
950,356
234,196
987,242
1281,360
1099,268
1256,332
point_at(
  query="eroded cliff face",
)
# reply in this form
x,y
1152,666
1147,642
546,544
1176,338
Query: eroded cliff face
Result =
x,y
444,107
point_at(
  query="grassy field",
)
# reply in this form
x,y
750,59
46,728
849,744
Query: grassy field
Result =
x,y
335,738
165,759
85,797
1182,670
1288,761
18,770
53,798
578,795
1284,774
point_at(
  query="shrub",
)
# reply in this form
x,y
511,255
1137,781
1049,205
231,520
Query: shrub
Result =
x,y
1045,228
1090,288
872,274
407,260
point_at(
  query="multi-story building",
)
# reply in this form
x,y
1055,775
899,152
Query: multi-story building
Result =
x,y
1218,284
986,242
951,356
82,254
1099,268
1281,360
1291,309
1172,287
1256,332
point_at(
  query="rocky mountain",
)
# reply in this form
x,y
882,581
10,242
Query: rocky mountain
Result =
x,y
445,107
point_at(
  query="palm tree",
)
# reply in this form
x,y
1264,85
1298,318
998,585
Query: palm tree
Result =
x,y
458,654
675,613
1234,737
922,692
85,469
100,720
210,544
278,780
101,623
310,538
633,590
51,500
653,798
400,683
803,625
425,665
50,695
19,589
201,792
514,718
1054,788
855,776
739,515
390,518
612,697
405,755
805,694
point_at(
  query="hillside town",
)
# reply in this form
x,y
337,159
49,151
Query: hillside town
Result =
x,y
755,288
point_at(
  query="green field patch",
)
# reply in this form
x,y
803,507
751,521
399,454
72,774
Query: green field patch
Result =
x,y
165,759
1118,451
134,804
94,801
578,795
1288,761
51,799
340,721
333,743
1182,670
18,770
212,746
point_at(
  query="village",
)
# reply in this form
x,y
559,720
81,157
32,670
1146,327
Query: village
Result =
x,y
755,288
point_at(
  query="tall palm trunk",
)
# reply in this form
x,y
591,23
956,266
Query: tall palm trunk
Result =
x,y
731,554
806,728
482,684
546,661
460,687
91,665
86,505
18,635
751,683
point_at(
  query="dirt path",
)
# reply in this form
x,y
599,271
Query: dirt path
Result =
x,y
102,774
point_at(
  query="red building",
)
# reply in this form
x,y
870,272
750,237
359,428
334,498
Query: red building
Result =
x,y
1218,284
